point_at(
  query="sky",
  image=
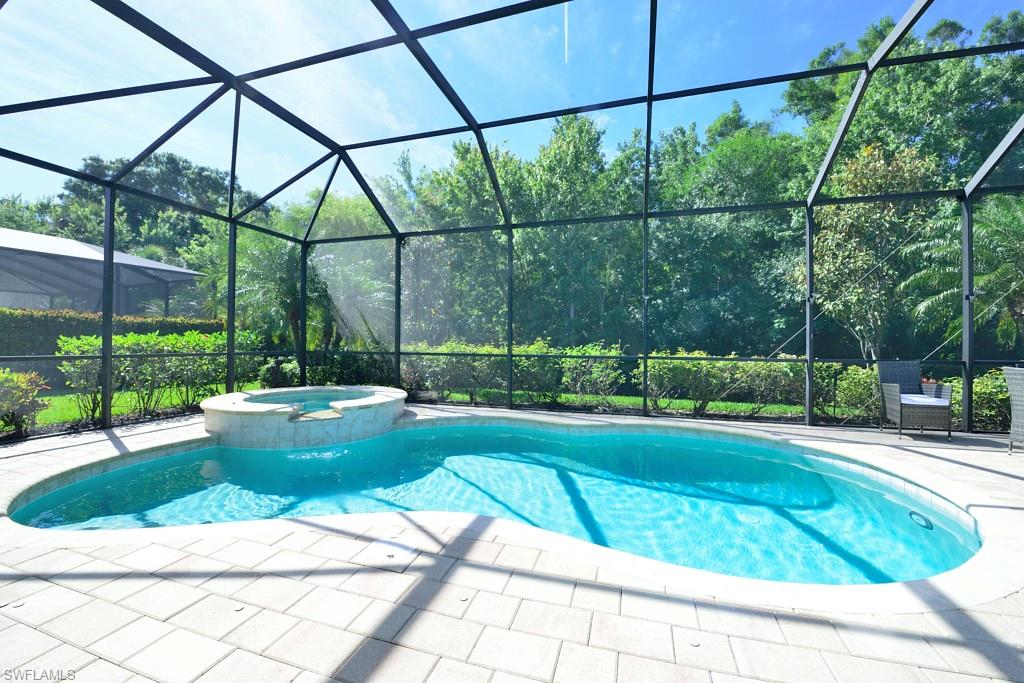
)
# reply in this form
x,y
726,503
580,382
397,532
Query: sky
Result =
x,y
566,55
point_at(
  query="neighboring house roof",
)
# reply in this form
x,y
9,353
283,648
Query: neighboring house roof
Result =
x,y
35,263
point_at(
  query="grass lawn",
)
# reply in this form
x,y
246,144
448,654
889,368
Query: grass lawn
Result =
x,y
681,406
497,397
62,407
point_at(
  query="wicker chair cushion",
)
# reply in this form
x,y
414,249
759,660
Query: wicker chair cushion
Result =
x,y
922,400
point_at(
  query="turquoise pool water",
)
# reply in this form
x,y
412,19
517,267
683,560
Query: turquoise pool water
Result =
x,y
722,505
309,400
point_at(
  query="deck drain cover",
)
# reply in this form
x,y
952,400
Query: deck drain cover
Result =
x,y
921,520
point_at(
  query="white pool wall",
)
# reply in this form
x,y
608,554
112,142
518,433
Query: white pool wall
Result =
x,y
240,423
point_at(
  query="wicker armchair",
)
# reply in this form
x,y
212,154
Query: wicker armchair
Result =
x,y
908,403
1015,385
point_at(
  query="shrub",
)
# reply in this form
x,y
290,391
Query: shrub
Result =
x,y
540,378
25,331
826,381
279,372
147,379
352,369
760,384
82,375
857,392
19,400
593,380
193,378
188,379
663,380
991,401
700,381
446,375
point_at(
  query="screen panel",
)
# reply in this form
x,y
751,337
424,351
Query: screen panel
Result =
x,y
351,296
572,54
454,293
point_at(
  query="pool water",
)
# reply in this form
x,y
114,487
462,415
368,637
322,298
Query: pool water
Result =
x,y
308,401
723,505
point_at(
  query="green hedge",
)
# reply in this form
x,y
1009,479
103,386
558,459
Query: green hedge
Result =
x,y
696,387
185,380
693,385
753,384
26,331
543,380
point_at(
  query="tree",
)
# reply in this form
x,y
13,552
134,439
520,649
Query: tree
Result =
x,y
719,282
858,260
998,273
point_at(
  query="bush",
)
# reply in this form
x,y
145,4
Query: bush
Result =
x,y
19,400
540,378
663,380
446,375
187,378
352,369
146,379
593,380
700,381
857,392
82,375
25,331
279,372
991,401
826,382
762,383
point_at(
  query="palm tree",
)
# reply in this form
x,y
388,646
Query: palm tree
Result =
x,y
998,271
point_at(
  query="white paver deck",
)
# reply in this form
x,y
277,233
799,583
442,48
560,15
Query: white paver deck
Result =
x,y
441,597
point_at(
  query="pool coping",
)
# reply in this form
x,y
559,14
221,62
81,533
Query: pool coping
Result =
x,y
237,403
990,574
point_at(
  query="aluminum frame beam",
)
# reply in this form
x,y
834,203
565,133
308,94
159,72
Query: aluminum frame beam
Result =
x,y
232,285
320,202
997,155
400,28
107,312
285,185
669,213
152,147
112,93
888,44
646,208
967,310
155,32
878,60
388,41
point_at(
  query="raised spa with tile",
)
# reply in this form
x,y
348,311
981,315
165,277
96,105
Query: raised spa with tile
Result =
x,y
297,417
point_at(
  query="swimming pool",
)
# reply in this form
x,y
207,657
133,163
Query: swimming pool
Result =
x,y
738,507
309,401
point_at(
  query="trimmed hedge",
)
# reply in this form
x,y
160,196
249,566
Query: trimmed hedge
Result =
x,y
186,379
849,393
544,374
25,331
752,383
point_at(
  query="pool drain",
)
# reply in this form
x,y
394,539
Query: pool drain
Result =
x,y
921,520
